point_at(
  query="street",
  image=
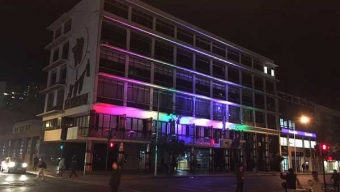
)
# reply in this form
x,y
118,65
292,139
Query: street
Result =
x,y
19,182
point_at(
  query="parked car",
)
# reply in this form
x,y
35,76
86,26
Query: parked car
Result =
x,y
11,164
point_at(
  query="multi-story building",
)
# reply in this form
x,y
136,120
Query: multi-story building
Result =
x,y
14,94
297,136
23,141
327,121
124,65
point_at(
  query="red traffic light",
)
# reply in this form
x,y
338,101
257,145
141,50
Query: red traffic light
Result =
x,y
330,158
112,144
324,147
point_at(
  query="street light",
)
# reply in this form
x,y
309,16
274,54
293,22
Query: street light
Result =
x,y
304,120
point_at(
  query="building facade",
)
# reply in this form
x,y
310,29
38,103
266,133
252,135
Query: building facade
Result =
x,y
129,67
23,142
327,121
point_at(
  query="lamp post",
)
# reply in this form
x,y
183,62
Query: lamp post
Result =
x,y
156,147
304,120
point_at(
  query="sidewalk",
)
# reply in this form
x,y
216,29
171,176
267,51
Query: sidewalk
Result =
x,y
99,178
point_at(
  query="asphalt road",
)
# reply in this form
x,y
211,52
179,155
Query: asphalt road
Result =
x,y
26,183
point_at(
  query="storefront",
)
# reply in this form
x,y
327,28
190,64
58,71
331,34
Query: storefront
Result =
x,y
303,145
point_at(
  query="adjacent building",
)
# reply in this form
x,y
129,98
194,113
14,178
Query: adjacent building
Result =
x,y
129,67
23,142
297,137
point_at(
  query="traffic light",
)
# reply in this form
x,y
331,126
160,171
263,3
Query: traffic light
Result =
x,y
324,150
61,146
317,150
112,145
109,134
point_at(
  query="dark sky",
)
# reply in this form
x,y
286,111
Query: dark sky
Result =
x,y
302,37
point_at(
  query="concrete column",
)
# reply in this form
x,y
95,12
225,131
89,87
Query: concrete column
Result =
x,y
147,158
211,160
88,157
227,160
121,153
267,152
192,160
255,153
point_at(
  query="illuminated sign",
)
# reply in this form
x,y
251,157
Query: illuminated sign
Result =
x,y
300,133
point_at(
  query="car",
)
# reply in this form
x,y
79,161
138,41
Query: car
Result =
x,y
12,165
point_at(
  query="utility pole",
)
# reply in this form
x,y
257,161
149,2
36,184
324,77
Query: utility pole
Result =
x,y
156,147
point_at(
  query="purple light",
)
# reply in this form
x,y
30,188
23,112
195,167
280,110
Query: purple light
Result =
x,y
174,42
300,133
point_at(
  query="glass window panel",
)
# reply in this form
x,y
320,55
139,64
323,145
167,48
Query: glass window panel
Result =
x,y
306,143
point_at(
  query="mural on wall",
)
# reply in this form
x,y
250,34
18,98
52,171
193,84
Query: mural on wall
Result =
x,y
80,70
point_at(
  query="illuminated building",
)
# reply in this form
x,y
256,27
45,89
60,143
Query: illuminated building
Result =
x,y
115,65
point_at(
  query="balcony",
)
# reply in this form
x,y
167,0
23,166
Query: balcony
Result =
x,y
54,87
118,134
55,64
58,40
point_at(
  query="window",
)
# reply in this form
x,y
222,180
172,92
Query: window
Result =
x,y
107,121
60,97
271,121
112,62
185,36
53,123
283,141
113,35
259,119
202,86
138,96
184,81
246,60
50,101
270,87
312,144
258,65
63,72
184,104
202,108
218,111
140,44
219,91
218,70
53,77
165,102
110,91
142,18
233,75
165,28
67,26
265,69
164,52
55,55
247,97
163,75
247,117
271,104
184,59
259,101
234,114
233,94
306,144
218,49
202,64
116,8
135,124
202,43
139,69
246,79
272,72
233,55
66,48
57,33
258,83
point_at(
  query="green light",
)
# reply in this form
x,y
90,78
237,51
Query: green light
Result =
x,y
61,147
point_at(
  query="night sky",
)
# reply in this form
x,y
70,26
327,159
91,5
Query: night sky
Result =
x,y
302,37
